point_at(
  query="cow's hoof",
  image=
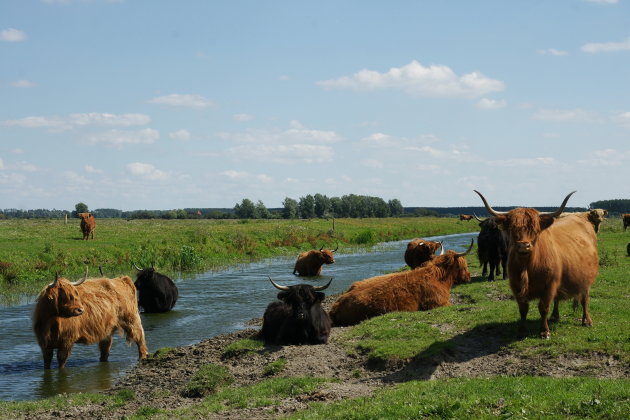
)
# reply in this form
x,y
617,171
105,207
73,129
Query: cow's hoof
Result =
x,y
545,335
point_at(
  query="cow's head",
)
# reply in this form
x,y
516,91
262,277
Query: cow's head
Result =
x,y
326,255
487,224
85,216
455,262
301,297
423,249
523,225
144,276
63,296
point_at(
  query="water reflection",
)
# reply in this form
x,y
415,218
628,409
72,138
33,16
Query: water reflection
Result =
x,y
209,304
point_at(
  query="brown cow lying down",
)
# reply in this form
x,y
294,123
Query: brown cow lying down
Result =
x,y
420,251
420,289
86,312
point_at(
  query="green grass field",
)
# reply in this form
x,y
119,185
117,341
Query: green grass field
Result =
x,y
483,309
32,251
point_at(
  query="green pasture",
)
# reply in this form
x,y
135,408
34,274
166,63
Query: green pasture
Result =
x,y
33,250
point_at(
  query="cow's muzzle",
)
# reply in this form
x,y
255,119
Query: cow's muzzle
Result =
x,y
523,247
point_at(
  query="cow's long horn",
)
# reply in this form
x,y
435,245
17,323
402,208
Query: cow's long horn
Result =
x,y
441,248
277,286
478,219
488,208
562,206
83,279
320,288
463,254
54,283
335,250
136,267
320,249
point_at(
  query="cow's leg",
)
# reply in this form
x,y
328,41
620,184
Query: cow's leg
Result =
x,y
586,317
543,308
135,333
523,308
492,270
62,355
504,264
48,355
555,313
484,270
104,346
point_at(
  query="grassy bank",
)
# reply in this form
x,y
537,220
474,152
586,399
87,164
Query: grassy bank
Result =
x,y
32,251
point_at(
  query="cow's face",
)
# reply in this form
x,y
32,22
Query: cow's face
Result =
x,y
461,265
301,298
523,225
85,216
327,256
66,297
144,277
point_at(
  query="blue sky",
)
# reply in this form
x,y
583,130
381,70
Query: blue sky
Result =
x,y
146,104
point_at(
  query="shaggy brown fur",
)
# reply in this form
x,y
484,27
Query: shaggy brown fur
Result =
x,y
549,258
88,224
423,288
88,313
626,221
465,217
310,263
420,251
593,216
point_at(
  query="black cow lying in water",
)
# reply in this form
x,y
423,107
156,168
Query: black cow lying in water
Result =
x,y
297,317
156,292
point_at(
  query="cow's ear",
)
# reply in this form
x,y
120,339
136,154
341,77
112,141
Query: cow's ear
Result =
x,y
319,296
546,221
282,296
501,220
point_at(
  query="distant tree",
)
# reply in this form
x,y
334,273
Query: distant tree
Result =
x,y
245,210
322,205
307,207
290,208
79,208
396,209
262,211
336,207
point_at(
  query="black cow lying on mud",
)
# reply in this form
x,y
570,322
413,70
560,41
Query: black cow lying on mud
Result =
x,y
297,317
156,292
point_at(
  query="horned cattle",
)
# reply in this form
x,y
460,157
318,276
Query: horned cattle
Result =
x,y
420,251
465,217
88,224
594,216
309,263
420,289
549,259
86,312
626,221
297,317
156,292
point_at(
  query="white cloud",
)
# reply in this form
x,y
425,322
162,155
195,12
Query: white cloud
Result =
x,y
567,115
235,174
181,135
623,119
372,163
280,153
119,138
553,51
265,179
12,35
23,84
418,80
74,178
92,170
540,161
607,157
73,120
146,171
489,104
594,47
242,117
187,101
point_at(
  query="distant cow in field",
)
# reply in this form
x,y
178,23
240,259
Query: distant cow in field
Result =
x,y
88,224
420,289
420,251
491,248
156,292
626,221
465,217
310,263
628,249
594,216
86,312
297,317
549,258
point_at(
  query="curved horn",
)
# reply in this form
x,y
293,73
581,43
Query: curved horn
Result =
x,y
320,288
320,249
83,279
463,254
441,248
100,270
277,286
335,250
478,219
136,267
488,208
562,206
54,283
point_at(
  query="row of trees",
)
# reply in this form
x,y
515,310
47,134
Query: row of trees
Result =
x,y
321,206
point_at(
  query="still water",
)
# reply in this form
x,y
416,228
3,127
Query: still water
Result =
x,y
209,304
